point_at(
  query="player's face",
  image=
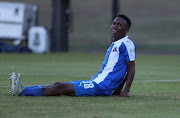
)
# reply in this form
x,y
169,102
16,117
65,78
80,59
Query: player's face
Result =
x,y
119,27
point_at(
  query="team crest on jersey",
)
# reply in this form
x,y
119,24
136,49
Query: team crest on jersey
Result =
x,y
115,49
131,50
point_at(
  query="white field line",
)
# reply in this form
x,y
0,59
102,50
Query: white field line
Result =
x,y
177,80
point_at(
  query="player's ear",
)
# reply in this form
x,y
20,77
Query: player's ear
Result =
x,y
127,30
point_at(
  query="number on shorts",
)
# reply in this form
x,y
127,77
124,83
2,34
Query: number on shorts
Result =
x,y
88,84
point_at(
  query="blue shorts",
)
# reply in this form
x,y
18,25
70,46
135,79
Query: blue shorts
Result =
x,y
84,88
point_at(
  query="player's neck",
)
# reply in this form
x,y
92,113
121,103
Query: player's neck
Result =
x,y
118,38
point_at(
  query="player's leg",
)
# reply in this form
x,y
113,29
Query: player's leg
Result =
x,y
55,89
59,88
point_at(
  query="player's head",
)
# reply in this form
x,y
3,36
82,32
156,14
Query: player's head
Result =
x,y
120,26
128,21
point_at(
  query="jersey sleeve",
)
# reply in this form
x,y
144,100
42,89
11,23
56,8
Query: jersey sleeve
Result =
x,y
129,51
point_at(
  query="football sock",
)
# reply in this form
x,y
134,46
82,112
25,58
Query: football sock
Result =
x,y
35,86
32,91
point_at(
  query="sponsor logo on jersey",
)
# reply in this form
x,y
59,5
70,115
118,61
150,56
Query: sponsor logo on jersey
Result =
x,y
115,49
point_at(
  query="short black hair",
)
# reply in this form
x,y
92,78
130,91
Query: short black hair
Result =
x,y
126,19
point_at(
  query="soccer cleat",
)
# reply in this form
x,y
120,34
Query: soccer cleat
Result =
x,y
12,79
18,86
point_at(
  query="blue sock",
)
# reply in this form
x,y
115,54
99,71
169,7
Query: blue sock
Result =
x,y
32,91
35,86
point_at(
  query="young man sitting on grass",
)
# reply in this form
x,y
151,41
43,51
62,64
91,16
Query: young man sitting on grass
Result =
x,y
118,68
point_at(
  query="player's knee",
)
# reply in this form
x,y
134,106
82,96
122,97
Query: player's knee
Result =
x,y
56,83
58,88
60,85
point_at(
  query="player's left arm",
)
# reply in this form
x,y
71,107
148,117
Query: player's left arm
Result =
x,y
129,77
118,90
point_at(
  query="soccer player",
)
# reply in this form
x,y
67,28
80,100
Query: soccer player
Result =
x,y
118,68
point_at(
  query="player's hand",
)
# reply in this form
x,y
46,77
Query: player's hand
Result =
x,y
124,94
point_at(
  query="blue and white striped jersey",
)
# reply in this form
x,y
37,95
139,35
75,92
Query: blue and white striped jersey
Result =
x,y
114,67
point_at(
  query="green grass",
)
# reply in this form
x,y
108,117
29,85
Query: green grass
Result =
x,y
155,92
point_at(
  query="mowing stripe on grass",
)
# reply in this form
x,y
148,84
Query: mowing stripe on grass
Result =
x,y
177,80
4,86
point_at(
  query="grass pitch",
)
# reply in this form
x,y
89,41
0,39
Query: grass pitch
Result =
x,y
155,92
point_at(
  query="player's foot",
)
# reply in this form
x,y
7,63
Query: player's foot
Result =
x,y
18,86
11,81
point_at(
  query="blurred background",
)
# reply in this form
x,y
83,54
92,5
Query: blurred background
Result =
x,y
155,24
